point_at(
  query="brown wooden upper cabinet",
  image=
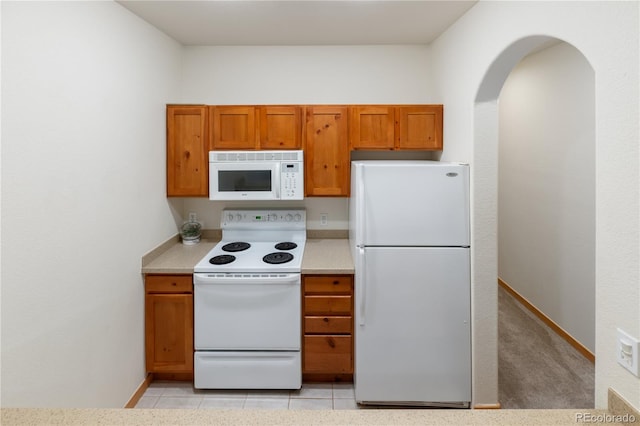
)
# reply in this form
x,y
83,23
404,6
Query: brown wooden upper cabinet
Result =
x,y
280,127
326,151
187,151
396,127
251,127
372,126
233,127
326,133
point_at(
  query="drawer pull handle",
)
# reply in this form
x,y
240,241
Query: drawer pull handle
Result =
x,y
336,282
174,284
331,343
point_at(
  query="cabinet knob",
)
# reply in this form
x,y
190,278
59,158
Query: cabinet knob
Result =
x,y
330,342
325,319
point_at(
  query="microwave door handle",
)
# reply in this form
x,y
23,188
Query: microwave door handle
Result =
x,y
277,179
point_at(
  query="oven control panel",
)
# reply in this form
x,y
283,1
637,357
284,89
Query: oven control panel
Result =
x,y
233,218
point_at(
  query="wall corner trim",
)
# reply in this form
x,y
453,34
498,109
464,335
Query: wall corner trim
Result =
x,y
495,406
549,322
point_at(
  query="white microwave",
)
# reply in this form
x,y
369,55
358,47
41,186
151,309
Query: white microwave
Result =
x,y
256,175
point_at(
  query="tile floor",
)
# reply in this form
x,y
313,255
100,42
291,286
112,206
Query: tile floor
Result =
x,y
336,396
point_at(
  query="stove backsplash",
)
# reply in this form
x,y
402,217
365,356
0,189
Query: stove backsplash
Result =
x,y
209,212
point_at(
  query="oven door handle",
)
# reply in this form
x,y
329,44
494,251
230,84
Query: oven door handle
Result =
x,y
240,279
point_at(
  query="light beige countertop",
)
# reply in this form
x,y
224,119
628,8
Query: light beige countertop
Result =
x,y
42,416
321,256
327,256
176,258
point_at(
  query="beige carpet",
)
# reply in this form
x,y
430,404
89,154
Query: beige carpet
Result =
x,y
537,368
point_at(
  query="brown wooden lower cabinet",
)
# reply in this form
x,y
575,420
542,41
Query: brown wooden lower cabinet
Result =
x,y
327,324
328,354
327,327
169,326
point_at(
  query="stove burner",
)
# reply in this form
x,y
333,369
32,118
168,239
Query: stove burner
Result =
x,y
222,259
286,246
278,257
236,246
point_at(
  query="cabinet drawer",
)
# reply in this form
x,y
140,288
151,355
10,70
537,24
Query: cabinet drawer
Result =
x,y
169,283
327,354
327,305
328,325
328,284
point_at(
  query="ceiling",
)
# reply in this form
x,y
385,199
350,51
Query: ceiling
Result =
x,y
344,22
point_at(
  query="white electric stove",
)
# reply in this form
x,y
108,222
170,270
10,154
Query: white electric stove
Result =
x,y
247,303
258,241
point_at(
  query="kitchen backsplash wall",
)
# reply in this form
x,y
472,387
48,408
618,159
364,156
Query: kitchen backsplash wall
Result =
x,y
209,212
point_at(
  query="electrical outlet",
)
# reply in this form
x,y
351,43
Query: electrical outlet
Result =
x,y
193,217
324,219
627,351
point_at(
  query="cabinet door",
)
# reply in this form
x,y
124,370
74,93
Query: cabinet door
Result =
x,y
169,332
327,354
326,151
372,127
187,151
233,127
419,127
280,127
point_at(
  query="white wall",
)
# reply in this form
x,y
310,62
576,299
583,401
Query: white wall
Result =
x,y
494,36
546,187
84,87
219,75
303,75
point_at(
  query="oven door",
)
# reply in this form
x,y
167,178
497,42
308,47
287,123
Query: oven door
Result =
x,y
235,312
244,181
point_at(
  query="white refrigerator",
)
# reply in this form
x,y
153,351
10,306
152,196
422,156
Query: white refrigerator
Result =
x,y
409,236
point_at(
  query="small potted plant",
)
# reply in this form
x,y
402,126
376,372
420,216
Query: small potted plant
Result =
x,y
190,232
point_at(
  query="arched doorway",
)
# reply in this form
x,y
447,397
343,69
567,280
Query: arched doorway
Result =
x,y
486,136
546,231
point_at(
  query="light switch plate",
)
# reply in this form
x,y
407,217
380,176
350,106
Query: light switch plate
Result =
x,y
627,349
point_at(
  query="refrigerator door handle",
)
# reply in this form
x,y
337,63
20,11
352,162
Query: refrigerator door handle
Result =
x,y
360,211
361,285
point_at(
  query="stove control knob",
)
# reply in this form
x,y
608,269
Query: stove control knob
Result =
x,y
289,217
298,217
238,217
230,217
273,217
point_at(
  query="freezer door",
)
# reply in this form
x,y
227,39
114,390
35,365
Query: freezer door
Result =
x,y
413,334
409,203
